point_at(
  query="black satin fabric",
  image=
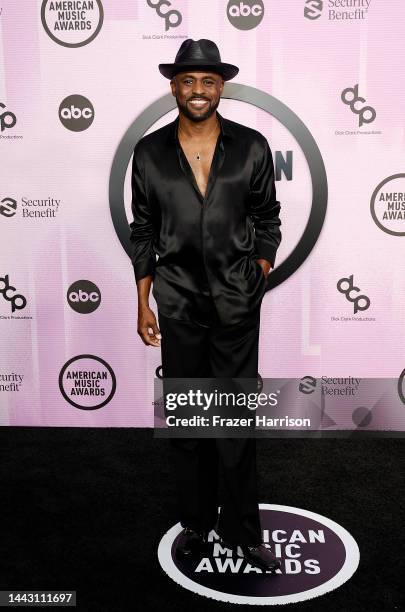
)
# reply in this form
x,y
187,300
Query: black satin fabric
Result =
x,y
203,250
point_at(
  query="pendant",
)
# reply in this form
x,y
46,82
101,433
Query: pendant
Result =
x,y
198,156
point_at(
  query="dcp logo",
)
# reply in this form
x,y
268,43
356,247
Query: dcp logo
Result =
x,y
18,301
7,119
346,286
245,15
83,296
76,113
172,18
350,96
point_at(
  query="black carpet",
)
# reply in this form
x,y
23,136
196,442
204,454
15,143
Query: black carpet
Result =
x,y
85,509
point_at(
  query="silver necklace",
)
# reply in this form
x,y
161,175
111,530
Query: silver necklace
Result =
x,y
198,154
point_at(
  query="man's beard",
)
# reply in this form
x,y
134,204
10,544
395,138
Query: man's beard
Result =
x,y
185,109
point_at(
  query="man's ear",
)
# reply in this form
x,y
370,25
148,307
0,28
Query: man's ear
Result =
x,y
173,86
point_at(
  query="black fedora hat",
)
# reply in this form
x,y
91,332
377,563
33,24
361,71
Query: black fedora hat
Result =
x,y
202,54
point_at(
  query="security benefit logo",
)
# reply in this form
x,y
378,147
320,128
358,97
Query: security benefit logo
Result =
x,y
317,555
30,208
8,207
87,382
313,9
341,11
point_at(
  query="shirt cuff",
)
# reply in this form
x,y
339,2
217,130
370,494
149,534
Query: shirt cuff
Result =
x,y
144,267
266,251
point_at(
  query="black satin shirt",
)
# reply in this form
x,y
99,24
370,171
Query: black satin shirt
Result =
x,y
202,251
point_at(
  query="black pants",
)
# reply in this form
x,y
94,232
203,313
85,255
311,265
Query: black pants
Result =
x,y
193,350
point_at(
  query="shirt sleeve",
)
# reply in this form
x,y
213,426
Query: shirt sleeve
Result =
x,y
264,208
143,256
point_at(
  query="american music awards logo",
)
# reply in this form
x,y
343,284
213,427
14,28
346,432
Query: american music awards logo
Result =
x,y
72,24
317,556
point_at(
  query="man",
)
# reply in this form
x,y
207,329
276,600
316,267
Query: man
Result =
x,y
204,202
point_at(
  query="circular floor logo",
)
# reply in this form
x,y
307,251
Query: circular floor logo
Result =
x,y
72,28
317,555
87,382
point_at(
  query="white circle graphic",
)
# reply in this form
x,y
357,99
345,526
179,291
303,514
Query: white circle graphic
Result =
x,y
348,568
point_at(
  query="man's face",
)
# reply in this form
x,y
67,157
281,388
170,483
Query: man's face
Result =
x,y
189,87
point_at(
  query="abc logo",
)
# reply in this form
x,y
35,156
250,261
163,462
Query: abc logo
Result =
x,y
245,15
83,296
76,113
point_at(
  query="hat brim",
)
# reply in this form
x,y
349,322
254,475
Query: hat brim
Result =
x,y
227,71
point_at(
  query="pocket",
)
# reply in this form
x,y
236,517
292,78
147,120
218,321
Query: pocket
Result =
x,y
261,269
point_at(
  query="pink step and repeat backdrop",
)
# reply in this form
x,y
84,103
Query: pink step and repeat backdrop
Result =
x,y
79,84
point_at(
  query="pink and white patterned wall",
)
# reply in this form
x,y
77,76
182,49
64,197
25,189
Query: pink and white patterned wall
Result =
x,y
74,76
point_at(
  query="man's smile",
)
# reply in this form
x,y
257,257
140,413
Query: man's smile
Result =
x,y
198,103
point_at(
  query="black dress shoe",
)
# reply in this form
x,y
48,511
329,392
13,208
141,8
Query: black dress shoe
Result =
x,y
191,543
261,557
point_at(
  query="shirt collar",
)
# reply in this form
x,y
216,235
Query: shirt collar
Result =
x,y
226,130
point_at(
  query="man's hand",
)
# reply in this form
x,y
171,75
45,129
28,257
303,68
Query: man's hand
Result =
x,y
147,326
265,266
